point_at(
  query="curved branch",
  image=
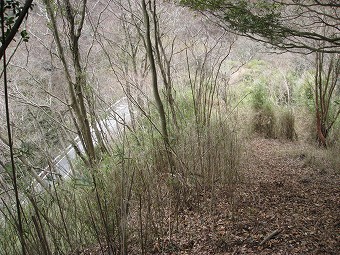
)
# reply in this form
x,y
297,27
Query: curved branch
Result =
x,y
15,28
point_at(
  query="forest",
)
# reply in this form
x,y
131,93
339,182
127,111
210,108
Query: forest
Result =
x,y
169,127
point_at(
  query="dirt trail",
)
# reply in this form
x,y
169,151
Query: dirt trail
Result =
x,y
284,206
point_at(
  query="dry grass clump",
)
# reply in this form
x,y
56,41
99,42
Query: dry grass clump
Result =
x,y
264,122
286,125
334,146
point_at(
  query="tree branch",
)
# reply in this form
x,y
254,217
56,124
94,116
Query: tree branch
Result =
x,y
15,27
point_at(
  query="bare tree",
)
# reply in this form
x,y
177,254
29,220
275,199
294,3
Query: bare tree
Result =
x,y
7,35
155,85
73,21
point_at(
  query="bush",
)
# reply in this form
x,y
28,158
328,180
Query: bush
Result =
x,y
263,121
286,125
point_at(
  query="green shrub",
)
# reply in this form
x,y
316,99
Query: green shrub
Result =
x,y
264,120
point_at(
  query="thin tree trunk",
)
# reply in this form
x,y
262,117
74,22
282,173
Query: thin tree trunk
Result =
x,y
318,94
164,66
158,99
76,87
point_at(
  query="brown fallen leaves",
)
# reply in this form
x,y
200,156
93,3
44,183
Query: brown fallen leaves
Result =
x,y
285,205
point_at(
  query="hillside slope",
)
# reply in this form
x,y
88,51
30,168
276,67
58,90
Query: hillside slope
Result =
x,y
286,205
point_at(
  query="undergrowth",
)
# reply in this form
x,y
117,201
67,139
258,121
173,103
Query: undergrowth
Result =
x,y
264,119
133,197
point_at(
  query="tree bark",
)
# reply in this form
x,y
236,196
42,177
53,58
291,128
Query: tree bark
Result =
x,y
158,99
326,79
150,54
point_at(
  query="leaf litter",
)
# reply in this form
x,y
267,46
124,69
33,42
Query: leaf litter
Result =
x,y
284,204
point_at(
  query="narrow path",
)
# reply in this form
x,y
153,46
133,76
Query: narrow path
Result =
x,y
291,194
286,205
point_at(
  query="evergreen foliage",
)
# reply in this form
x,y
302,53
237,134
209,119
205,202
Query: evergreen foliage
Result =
x,y
290,25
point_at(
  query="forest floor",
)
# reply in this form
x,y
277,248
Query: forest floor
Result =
x,y
287,203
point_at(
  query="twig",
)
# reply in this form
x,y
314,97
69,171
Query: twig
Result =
x,y
271,236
